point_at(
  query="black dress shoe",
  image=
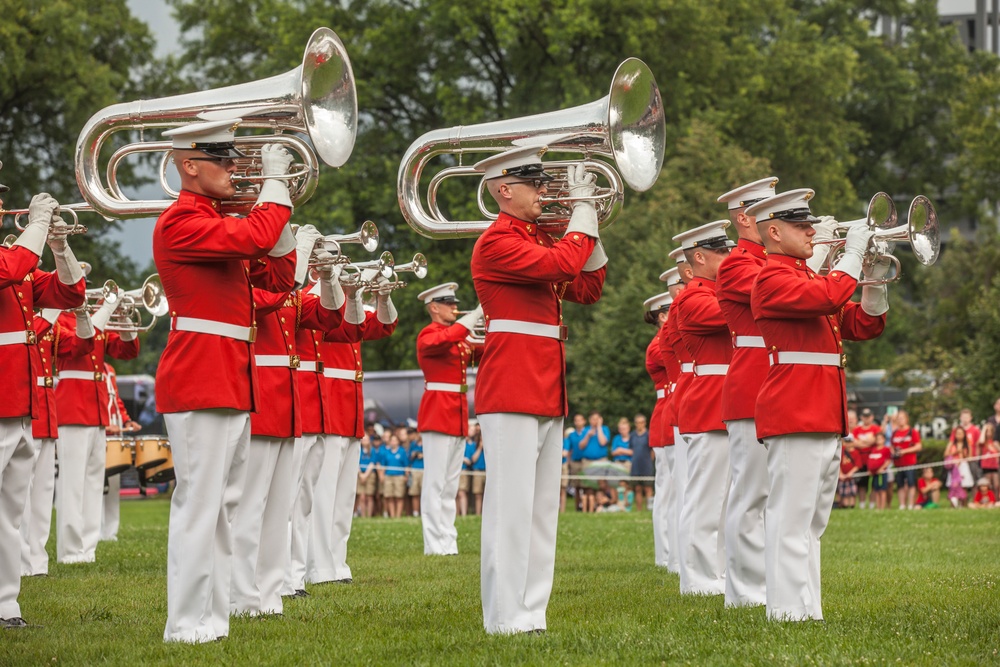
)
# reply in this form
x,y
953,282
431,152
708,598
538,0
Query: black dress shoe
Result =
x,y
12,623
301,593
344,581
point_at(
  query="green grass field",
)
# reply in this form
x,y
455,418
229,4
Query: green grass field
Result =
x,y
909,588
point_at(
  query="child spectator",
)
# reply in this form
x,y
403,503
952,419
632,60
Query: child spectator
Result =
x,y
863,440
990,463
416,454
847,488
879,459
929,488
905,445
606,498
478,482
367,479
394,466
972,437
984,499
959,473
621,446
465,481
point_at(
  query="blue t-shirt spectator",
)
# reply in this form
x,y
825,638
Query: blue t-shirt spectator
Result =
x,y
367,458
470,447
565,449
573,440
618,443
394,462
594,449
480,463
416,455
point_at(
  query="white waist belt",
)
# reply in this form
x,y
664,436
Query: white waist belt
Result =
x,y
711,369
344,374
46,381
748,341
93,376
310,366
807,358
21,337
193,324
444,386
556,331
687,368
277,360
661,393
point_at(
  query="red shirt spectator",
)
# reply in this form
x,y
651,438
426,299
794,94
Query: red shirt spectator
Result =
x,y
904,438
878,459
864,435
984,496
965,422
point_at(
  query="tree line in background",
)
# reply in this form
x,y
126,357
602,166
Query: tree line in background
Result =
x,y
808,91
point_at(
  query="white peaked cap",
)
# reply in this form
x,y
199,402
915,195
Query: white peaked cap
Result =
x,y
443,291
677,254
712,234
751,193
658,302
671,276
792,206
523,162
204,134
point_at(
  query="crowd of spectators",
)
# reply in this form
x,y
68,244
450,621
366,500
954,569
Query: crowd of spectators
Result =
x,y
875,457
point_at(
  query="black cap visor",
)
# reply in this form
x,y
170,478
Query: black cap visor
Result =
x,y
717,243
225,149
792,215
529,172
445,299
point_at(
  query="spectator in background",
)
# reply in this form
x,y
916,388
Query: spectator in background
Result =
x,y
888,425
973,433
929,488
367,479
994,419
621,444
879,460
863,437
394,466
642,463
576,457
472,442
478,476
847,487
905,445
990,463
416,455
959,473
984,498
593,446
564,483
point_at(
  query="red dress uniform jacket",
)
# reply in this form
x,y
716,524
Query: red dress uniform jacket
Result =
x,y
444,355
45,424
314,394
658,374
706,336
342,350
675,355
279,315
22,289
520,273
85,402
207,264
748,367
800,311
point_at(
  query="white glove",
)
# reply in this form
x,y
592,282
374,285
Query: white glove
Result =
x,y
855,245
40,214
331,292
597,259
103,314
469,320
305,241
84,326
68,269
354,310
50,315
275,161
384,308
826,228
875,299
285,243
584,218
879,269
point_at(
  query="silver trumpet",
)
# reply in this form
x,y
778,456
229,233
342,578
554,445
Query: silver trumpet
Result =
x,y
366,274
478,334
128,314
417,266
367,237
69,209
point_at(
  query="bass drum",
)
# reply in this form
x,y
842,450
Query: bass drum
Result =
x,y
119,456
151,451
164,472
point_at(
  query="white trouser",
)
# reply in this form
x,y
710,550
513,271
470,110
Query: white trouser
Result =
x,y
17,456
37,520
333,510
520,517
82,451
679,479
663,490
260,527
702,534
309,451
745,516
442,468
802,469
112,511
209,449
